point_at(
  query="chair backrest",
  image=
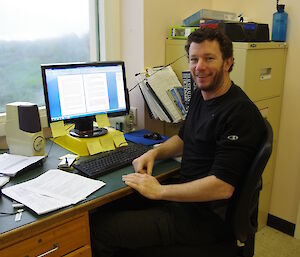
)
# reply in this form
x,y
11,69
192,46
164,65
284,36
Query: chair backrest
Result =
x,y
245,204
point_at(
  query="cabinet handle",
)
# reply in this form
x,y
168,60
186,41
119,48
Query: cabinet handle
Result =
x,y
55,248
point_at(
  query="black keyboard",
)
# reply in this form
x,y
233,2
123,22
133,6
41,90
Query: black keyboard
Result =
x,y
111,161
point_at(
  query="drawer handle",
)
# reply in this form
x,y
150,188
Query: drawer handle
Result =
x,y
55,248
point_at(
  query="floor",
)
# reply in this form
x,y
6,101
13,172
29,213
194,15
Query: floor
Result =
x,y
273,243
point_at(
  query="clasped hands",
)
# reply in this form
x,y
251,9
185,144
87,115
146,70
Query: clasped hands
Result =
x,y
142,180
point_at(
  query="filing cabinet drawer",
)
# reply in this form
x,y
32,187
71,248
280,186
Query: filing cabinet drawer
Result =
x,y
259,68
57,241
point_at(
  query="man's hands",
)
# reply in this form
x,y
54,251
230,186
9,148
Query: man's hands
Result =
x,y
144,164
145,184
141,180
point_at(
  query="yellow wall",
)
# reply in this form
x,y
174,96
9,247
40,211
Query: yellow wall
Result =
x,y
286,190
160,15
144,27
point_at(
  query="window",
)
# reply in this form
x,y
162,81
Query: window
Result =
x,y
39,32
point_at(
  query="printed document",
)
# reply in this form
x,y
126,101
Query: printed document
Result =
x,y
11,164
53,190
83,93
154,88
3,180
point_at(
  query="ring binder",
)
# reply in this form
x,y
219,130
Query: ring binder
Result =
x,y
154,84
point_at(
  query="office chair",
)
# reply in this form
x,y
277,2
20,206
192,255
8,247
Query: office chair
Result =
x,y
243,216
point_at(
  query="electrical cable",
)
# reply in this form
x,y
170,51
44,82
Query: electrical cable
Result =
x,y
161,68
8,213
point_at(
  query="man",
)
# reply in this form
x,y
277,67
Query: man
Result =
x,y
217,142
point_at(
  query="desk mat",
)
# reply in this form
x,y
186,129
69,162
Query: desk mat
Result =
x,y
138,137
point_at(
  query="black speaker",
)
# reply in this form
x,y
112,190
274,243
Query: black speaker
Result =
x,y
29,118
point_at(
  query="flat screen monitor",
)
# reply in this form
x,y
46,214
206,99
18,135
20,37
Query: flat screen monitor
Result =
x,y
77,92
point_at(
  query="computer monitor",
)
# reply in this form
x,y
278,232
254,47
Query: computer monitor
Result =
x,y
77,92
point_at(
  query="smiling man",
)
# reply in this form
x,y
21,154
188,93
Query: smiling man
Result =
x,y
217,142
209,69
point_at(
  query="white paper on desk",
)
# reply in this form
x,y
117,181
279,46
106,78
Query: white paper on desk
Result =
x,y
3,180
63,185
39,203
52,190
10,164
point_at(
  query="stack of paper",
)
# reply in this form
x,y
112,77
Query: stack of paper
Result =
x,y
52,190
11,164
206,14
154,88
3,180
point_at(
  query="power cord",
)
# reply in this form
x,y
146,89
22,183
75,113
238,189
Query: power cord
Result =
x,y
161,68
8,213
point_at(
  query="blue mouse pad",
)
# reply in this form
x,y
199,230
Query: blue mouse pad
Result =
x,y
138,137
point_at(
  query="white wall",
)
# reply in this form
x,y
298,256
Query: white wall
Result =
x,y
132,49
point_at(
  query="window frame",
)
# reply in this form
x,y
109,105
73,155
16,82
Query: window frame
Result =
x,y
94,21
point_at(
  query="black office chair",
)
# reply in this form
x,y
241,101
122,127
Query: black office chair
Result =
x,y
243,216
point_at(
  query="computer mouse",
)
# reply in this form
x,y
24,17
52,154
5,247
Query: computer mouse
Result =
x,y
153,136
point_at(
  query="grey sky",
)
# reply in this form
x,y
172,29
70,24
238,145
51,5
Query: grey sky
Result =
x,y
35,19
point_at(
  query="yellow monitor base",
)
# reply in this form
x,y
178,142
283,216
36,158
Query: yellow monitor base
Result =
x,y
79,145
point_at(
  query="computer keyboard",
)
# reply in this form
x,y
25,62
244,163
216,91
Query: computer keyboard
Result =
x,y
111,161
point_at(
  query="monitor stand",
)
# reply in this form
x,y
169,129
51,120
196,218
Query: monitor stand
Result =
x,y
84,128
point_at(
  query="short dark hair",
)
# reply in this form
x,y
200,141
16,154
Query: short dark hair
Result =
x,y
205,33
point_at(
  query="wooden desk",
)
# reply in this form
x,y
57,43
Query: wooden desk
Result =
x,y
64,232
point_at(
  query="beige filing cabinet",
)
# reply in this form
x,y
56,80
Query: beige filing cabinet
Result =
x,y
259,70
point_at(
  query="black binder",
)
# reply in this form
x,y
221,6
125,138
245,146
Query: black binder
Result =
x,y
147,106
159,102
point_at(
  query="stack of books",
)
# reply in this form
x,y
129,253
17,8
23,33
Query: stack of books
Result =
x,y
203,18
204,15
188,88
166,99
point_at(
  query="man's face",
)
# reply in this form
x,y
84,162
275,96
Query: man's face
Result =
x,y
207,65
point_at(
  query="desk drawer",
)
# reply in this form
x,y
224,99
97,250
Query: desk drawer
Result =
x,y
57,241
82,252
